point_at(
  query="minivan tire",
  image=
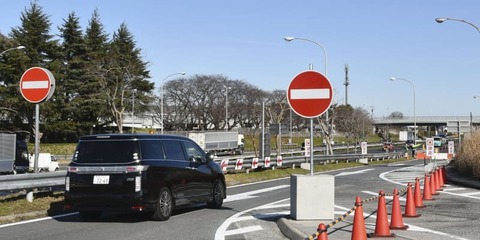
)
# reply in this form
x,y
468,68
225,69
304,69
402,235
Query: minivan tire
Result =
x,y
218,194
164,207
90,215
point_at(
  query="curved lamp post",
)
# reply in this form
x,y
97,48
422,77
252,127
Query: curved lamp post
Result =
x,y
289,39
414,115
441,20
161,95
10,49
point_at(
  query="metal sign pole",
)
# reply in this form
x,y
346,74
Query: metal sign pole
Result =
x,y
311,146
37,133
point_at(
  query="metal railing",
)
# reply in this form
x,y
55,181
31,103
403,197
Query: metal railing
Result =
x,y
32,181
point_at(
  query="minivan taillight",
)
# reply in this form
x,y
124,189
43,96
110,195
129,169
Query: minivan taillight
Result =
x,y
139,168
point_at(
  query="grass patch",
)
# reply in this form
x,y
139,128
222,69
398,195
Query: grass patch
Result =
x,y
14,208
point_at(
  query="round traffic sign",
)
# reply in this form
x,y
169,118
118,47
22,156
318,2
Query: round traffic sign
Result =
x,y
310,94
37,85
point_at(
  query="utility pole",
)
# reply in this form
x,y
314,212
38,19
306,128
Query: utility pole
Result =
x,y
346,83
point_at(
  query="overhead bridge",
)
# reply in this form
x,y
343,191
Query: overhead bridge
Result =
x,y
424,120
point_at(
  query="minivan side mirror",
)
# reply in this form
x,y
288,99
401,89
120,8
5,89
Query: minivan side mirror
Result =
x,y
209,157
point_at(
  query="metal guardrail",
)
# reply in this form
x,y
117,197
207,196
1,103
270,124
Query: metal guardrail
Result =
x,y
31,181
317,159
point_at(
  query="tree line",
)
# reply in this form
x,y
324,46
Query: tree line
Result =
x,y
98,76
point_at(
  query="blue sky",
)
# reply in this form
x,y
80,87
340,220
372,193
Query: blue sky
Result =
x,y
243,40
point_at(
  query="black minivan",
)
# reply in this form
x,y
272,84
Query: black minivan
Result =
x,y
141,172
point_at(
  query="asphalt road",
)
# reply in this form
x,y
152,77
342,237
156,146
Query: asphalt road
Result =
x,y
251,212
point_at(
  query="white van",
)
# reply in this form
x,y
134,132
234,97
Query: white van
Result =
x,y
46,163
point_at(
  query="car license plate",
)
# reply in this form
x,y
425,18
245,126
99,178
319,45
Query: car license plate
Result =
x,y
101,179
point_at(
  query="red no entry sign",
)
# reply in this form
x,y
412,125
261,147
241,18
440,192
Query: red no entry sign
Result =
x,y
310,94
37,85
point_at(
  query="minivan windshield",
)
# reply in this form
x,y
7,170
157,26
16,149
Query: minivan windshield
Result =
x,y
106,151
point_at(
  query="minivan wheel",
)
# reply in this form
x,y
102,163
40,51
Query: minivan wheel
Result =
x,y
90,215
218,194
164,207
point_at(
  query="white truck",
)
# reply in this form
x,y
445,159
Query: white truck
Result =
x,y
46,163
219,142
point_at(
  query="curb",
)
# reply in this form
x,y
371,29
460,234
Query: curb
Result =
x,y
289,230
456,177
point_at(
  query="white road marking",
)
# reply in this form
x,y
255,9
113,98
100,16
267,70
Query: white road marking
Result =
x,y
354,172
251,194
243,230
386,197
222,230
37,220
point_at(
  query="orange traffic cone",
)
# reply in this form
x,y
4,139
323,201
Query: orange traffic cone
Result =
x,y
444,175
417,194
433,187
440,178
410,210
427,194
437,180
322,232
396,220
381,225
359,231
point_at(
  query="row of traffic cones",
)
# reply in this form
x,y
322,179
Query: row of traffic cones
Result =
x,y
432,183
414,200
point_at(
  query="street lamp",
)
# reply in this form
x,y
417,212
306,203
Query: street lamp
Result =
x,y
226,107
10,49
289,39
161,95
414,115
441,20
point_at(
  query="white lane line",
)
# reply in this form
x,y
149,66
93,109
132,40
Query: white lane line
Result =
x,y
454,189
264,216
222,230
354,172
386,197
471,194
37,220
243,230
251,194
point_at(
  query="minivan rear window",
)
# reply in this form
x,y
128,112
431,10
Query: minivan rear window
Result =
x,y
107,151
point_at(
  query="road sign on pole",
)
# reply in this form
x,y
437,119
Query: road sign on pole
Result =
x,y
37,85
430,147
310,94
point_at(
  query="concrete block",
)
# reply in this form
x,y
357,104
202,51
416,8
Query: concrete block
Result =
x,y
312,197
